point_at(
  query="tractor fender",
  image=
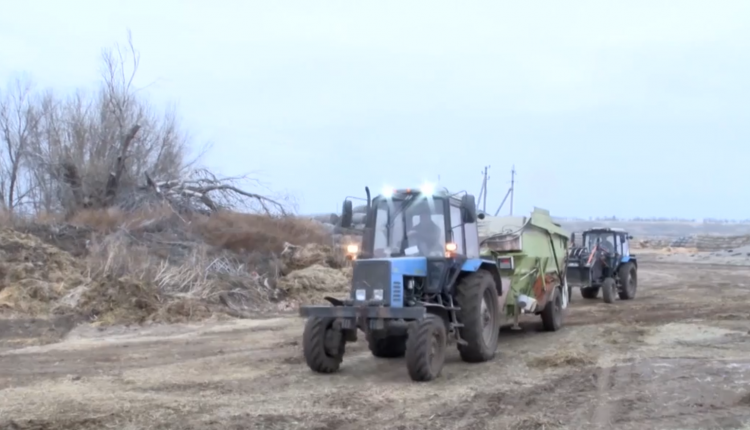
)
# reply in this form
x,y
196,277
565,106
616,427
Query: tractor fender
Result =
x,y
473,265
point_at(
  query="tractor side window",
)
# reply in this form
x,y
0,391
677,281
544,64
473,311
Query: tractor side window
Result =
x,y
625,246
457,229
381,232
472,240
618,242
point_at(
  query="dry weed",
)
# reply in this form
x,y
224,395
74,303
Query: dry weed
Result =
x,y
314,281
34,274
562,358
248,232
118,300
300,257
154,264
112,219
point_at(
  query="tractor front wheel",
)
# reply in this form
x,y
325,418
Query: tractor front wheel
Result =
x,y
323,345
628,280
425,348
609,287
476,295
383,346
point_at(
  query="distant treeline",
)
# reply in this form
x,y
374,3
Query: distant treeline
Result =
x,y
657,219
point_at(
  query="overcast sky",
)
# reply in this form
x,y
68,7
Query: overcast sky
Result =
x,y
628,108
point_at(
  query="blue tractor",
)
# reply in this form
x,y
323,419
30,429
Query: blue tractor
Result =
x,y
603,263
417,280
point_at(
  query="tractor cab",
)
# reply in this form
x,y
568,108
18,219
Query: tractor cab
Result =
x,y
612,242
415,223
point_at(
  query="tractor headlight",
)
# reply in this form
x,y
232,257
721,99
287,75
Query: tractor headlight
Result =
x,y
352,249
428,189
360,295
377,294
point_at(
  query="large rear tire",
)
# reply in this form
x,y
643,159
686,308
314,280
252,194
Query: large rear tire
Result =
x,y
477,297
628,280
425,348
552,314
383,346
609,288
323,345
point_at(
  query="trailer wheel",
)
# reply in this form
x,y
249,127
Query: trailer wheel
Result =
x,y
425,348
323,345
476,295
552,314
384,346
629,280
608,290
589,292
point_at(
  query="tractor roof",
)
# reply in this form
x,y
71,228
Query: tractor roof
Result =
x,y
400,193
612,229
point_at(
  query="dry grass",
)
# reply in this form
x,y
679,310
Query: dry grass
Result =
x,y
34,274
562,358
112,219
314,282
157,264
244,232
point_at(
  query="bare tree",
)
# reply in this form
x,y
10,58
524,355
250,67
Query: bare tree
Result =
x,y
19,121
90,147
106,148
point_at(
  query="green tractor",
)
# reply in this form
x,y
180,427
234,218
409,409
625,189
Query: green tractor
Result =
x,y
603,263
417,280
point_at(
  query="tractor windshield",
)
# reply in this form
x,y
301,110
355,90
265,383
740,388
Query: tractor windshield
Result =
x,y
604,239
409,227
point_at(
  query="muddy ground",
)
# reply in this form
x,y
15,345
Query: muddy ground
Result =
x,y
677,357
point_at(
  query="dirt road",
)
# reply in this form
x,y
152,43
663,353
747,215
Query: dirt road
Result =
x,y
677,357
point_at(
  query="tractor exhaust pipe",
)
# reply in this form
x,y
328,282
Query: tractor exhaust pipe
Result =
x,y
367,191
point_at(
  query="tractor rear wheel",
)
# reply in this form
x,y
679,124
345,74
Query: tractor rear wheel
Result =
x,y
383,346
589,292
628,280
425,348
323,345
477,297
552,314
609,287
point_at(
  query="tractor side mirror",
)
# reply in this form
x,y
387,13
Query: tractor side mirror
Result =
x,y
347,214
468,209
630,237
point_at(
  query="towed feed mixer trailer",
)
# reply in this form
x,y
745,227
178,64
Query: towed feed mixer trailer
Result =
x,y
531,256
420,278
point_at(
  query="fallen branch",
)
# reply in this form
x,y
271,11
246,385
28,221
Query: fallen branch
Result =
x,y
201,190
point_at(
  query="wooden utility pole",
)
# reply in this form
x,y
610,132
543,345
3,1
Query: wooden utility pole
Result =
x,y
484,198
509,193
512,187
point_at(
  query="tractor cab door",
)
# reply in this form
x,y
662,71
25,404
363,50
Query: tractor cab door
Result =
x,y
457,230
625,255
618,249
465,235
